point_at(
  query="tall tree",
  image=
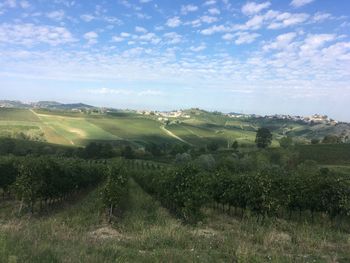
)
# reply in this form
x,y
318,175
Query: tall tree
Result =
x,y
263,138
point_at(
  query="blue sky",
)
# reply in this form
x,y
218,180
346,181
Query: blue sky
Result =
x,y
265,57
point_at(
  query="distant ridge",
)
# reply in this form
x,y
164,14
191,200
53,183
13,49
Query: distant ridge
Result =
x,y
13,104
44,105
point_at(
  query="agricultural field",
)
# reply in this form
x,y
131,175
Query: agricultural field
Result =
x,y
133,128
146,232
67,127
20,124
148,211
75,129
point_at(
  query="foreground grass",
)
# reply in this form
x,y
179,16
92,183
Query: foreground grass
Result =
x,y
146,232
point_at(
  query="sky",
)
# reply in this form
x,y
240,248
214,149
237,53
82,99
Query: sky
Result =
x,y
263,57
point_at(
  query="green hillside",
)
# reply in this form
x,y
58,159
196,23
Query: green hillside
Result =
x,y
194,127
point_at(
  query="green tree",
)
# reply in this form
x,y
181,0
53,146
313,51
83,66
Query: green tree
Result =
x,y
286,142
235,145
315,141
213,146
331,139
128,153
263,138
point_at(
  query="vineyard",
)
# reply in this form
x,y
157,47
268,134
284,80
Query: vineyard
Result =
x,y
183,189
270,192
39,182
185,200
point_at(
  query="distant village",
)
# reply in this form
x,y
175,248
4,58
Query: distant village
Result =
x,y
166,115
316,118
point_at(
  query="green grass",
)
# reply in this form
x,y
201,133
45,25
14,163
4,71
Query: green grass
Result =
x,y
7,114
76,130
138,129
16,123
146,232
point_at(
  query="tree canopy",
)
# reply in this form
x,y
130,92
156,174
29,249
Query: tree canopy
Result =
x,y
263,138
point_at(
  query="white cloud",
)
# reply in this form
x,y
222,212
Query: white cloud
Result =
x,y
228,37
214,11
287,19
198,48
172,38
300,3
320,17
185,9
150,37
315,41
274,20
118,39
66,3
241,37
252,8
24,4
210,2
246,38
339,51
106,91
107,19
150,92
208,19
87,17
203,19
255,23
282,41
30,34
140,29
215,29
143,16
173,22
91,37
145,1
125,34
10,3
133,52
125,92
56,15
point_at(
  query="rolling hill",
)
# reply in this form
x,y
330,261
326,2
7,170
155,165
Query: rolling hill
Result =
x,y
77,124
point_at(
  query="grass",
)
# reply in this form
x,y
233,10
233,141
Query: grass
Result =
x,y
146,232
138,129
9,114
75,130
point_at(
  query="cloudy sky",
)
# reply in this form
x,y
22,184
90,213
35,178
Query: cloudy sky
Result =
x,y
265,57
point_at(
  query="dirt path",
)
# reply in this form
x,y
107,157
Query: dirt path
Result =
x,y
173,135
